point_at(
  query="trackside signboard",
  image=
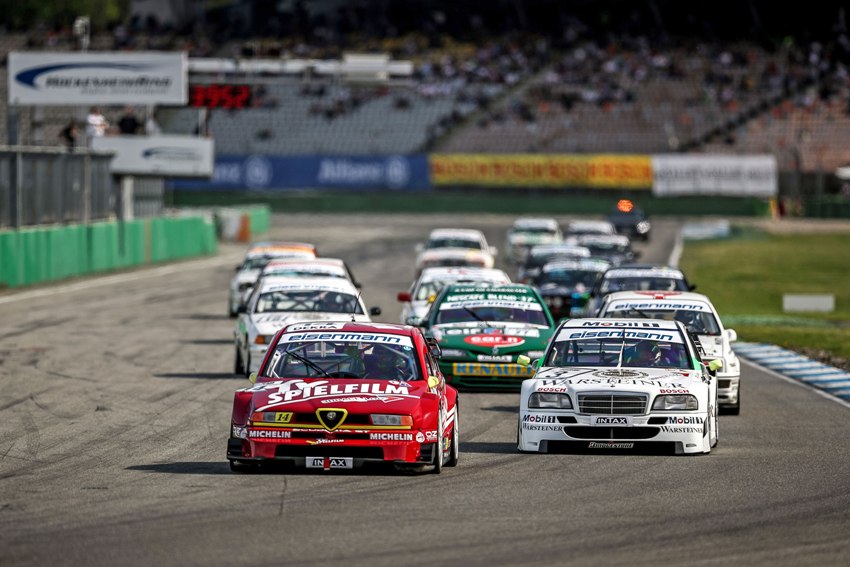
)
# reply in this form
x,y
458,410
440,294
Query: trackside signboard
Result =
x,y
736,176
85,79
174,156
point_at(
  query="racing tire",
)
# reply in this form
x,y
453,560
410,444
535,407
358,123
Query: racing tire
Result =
x,y
454,451
438,450
247,371
238,365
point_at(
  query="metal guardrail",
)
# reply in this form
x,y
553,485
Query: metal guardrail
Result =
x,y
46,185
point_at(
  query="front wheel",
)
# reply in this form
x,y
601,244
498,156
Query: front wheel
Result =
x,y
238,366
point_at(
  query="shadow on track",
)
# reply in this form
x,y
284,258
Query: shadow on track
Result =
x,y
487,448
204,375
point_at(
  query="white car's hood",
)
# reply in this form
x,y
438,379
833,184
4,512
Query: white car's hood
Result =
x,y
270,323
443,253
645,380
527,239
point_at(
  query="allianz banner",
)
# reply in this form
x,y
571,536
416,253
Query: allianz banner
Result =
x,y
271,173
605,171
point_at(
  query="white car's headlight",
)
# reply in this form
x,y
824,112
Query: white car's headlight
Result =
x,y
453,353
675,402
548,400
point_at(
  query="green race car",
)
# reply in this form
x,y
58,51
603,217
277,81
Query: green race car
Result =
x,y
482,330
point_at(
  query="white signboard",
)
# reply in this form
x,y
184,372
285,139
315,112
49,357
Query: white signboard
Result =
x,y
85,79
730,175
169,156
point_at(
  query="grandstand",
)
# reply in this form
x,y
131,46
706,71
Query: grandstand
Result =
x,y
613,90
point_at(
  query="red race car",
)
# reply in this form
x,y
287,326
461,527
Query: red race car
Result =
x,y
339,395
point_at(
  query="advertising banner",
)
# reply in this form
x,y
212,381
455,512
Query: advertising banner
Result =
x,y
605,171
728,175
167,156
90,78
259,173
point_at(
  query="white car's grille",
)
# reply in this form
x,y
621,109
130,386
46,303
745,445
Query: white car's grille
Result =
x,y
612,404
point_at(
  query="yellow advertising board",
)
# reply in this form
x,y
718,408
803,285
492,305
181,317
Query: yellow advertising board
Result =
x,y
606,171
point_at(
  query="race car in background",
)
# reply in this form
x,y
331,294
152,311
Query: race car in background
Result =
x,y
630,220
636,277
618,385
544,253
615,248
527,232
565,284
278,301
578,227
258,255
425,288
339,395
455,247
698,314
485,332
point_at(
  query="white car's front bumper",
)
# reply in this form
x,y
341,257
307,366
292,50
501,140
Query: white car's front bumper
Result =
x,y
543,431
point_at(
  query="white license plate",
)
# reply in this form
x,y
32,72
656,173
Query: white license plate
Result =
x,y
611,421
328,463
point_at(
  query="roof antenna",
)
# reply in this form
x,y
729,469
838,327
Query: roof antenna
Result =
x,y
356,303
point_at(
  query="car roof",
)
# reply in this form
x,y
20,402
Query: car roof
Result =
x,y
306,262
591,224
535,222
472,233
446,273
616,323
539,249
351,327
577,264
664,299
602,239
318,283
650,272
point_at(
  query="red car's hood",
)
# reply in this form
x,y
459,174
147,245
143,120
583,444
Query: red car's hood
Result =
x,y
307,394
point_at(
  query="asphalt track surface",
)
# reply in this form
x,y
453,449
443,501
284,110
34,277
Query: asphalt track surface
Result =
x,y
114,414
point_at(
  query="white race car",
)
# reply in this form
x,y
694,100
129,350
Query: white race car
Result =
x,y
619,384
424,289
298,268
701,319
257,256
278,301
530,231
455,247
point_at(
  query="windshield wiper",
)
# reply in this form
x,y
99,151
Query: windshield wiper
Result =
x,y
308,362
475,315
639,312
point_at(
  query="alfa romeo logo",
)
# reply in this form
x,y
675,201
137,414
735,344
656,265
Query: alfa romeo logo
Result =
x,y
331,418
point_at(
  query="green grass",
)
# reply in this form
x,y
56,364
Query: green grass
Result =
x,y
746,275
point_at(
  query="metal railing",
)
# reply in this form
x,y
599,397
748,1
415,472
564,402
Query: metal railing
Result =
x,y
47,185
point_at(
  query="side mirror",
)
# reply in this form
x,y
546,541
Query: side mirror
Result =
x,y
237,268
433,381
252,377
494,251
636,254
242,308
692,287
732,335
419,247
375,311
715,365
404,296
536,363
